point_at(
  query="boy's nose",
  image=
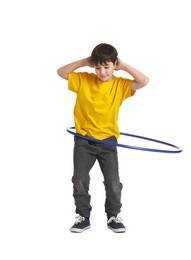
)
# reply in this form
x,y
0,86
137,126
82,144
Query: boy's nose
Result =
x,y
102,71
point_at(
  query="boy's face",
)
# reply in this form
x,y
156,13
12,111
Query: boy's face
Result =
x,y
105,72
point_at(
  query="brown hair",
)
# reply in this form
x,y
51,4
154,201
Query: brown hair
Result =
x,y
104,53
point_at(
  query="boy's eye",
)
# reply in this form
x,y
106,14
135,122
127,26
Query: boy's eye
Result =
x,y
98,68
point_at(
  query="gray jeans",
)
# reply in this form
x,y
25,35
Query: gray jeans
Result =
x,y
85,155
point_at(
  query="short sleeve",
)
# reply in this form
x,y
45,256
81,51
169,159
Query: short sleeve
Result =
x,y
126,90
74,82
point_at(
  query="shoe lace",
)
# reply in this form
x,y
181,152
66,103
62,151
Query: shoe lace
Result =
x,y
79,219
116,219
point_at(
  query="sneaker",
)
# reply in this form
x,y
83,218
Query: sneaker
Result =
x,y
116,225
80,224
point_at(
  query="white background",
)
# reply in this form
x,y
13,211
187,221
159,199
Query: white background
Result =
x,y
36,203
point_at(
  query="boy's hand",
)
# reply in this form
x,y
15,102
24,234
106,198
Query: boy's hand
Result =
x,y
89,62
118,64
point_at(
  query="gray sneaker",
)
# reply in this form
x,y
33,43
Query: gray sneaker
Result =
x,y
80,224
116,225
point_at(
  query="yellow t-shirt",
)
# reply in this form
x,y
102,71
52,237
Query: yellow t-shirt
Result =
x,y
97,103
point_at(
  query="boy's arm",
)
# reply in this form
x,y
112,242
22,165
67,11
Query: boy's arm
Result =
x,y
139,81
67,69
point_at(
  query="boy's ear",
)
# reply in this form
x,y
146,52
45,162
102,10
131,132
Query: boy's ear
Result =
x,y
115,64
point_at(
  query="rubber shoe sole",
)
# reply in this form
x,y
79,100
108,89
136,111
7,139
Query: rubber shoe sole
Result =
x,y
117,230
79,230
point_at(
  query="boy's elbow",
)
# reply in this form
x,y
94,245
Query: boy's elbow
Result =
x,y
146,81
61,74
140,84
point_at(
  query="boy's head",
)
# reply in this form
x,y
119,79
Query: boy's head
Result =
x,y
104,53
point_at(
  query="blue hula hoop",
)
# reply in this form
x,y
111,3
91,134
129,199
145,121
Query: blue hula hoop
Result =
x,y
178,150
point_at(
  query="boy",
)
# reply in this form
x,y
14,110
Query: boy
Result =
x,y
99,97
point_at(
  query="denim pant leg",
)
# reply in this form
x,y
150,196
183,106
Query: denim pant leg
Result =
x,y
84,159
108,161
